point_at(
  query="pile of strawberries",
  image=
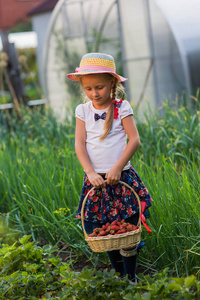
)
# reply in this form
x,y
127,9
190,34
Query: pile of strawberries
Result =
x,y
113,228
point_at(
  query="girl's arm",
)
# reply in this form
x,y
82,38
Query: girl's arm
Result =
x,y
114,174
80,147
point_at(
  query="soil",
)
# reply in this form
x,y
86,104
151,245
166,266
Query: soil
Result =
x,y
79,263
66,254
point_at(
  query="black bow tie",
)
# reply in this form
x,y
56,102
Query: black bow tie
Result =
x,y
97,116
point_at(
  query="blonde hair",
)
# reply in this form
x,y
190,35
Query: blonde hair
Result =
x,y
117,90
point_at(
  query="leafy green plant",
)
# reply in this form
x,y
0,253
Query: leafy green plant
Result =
x,y
27,270
163,286
30,272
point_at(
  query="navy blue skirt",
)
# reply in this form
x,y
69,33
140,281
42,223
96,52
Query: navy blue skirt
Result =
x,y
114,202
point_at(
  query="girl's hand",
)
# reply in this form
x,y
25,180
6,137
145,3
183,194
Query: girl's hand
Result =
x,y
96,180
113,176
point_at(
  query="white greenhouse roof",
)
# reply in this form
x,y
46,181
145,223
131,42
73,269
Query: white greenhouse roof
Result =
x,y
155,43
183,16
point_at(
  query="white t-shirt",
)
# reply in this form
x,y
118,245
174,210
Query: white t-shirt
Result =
x,y
105,153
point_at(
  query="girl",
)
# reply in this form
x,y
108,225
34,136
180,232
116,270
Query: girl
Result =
x,y
102,126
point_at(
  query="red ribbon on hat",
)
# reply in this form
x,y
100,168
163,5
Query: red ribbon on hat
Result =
x,y
143,219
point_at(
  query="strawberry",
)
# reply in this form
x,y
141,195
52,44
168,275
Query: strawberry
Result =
x,y
129,227
91,235
121,231
112,231
107,224
122,226
114,222
115,227
102,233
104,227
135,227
96,230
108,229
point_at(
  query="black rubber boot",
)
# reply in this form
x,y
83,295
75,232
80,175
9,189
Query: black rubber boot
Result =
x,y
129,260
116,261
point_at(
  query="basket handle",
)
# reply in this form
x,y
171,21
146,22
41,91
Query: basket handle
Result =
x,y
85,199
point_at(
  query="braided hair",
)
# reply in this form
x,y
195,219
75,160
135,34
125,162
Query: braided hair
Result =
x,y
117,88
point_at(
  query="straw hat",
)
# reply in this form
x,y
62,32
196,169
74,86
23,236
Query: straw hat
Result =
x,y
95,63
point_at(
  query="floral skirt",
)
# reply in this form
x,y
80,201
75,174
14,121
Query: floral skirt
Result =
x,y
114,202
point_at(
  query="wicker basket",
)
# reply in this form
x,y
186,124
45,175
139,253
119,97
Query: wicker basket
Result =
x,y
113,242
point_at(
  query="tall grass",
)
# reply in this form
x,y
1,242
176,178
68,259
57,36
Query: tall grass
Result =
x,y
173,130
41,179
175,217
40,176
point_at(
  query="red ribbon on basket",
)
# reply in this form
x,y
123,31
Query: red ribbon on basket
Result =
x,y
143,219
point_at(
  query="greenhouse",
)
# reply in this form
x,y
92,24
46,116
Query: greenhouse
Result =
x,y
155,44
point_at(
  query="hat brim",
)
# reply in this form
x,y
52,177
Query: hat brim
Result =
x,y
76,76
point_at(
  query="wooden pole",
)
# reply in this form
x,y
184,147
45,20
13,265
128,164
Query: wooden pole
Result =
x,y
13,70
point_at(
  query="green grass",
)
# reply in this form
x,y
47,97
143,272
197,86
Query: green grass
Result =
x,y
173,131
175,216
41,179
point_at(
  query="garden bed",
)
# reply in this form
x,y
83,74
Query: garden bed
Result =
x,y
30,272
41,179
